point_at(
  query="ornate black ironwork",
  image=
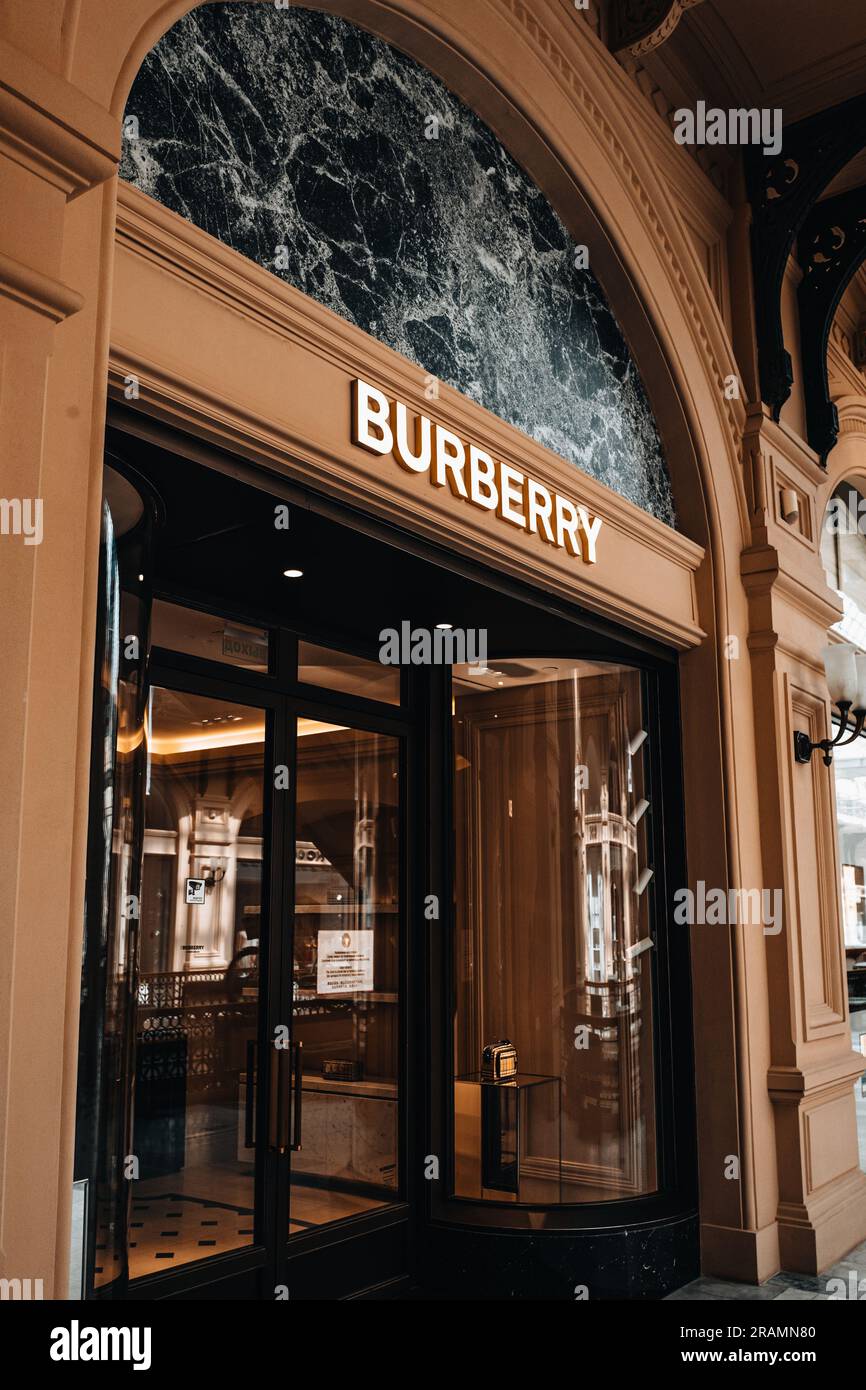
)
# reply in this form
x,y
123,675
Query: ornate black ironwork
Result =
x,y
831,247
804,747
783,189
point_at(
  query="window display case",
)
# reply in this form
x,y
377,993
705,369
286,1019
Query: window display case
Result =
x,y
554,897
508,1138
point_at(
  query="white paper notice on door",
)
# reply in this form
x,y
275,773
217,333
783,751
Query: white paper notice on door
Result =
x,y
345,963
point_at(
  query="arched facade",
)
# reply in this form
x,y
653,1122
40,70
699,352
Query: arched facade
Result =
x,y
740,593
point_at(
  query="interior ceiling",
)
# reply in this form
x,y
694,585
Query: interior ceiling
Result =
x,y
218,544
801,56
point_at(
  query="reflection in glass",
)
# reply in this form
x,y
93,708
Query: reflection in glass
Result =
x,y
346,983
843,551
207,635
348,674
553,890
198,989
849,768
105,1060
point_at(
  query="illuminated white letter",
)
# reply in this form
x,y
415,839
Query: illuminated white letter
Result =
x,y
539,506
510,492
482,479
590,529
419,461
370,418
450,459
567,522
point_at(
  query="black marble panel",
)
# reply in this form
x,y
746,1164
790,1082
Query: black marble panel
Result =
x,y
308,145
646,1261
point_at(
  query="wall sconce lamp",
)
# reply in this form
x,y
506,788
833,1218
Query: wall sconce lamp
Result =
x,y
845,666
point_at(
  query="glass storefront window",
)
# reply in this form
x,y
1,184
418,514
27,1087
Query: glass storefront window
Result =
x,y
554,946
346,990
210,636
843,552
348,674
106,1048
849,765
198,987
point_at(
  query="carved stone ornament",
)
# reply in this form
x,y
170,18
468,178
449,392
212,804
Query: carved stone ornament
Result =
x,y
639,26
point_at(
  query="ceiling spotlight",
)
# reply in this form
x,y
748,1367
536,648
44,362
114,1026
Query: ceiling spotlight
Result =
x,y
293,574
444,627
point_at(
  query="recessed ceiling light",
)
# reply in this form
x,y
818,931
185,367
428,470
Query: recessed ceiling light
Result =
x,y
444,627
293,574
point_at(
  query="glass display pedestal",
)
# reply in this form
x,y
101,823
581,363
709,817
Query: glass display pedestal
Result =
x,y
507,1138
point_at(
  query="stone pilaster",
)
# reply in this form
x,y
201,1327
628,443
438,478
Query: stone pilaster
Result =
x,y
810,1080
56,150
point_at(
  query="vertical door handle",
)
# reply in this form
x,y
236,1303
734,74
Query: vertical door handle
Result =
x,y
278,1115
298,1089
249,1098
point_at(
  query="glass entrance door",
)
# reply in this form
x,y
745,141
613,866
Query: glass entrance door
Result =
x,y
204,920
345,980
267,1029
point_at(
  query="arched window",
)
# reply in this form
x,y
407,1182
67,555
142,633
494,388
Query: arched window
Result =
x,y
350,171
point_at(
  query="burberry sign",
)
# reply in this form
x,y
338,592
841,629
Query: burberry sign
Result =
x,y
421,445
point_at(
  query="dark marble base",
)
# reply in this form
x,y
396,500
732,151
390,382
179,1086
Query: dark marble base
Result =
x,y
647,1262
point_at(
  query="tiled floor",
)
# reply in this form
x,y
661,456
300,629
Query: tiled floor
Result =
x,y
208,1210
851,1271
171,1229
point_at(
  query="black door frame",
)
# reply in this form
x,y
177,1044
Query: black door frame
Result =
x,y
370,1243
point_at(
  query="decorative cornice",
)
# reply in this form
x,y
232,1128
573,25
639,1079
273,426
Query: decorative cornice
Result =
x,y
716,348
211,416
763,572
843,373
183,252
38,292
784,441
788,1083
639,26
59,134
852,411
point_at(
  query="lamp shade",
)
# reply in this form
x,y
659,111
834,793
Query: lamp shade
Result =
x,y
842,676
860,660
